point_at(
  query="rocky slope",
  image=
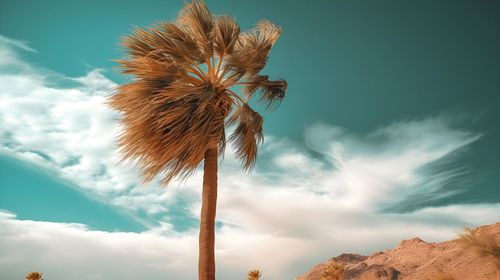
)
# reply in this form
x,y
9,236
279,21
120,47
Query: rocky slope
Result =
x,y
415,259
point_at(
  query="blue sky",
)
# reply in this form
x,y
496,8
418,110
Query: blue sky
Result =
x,y
389,130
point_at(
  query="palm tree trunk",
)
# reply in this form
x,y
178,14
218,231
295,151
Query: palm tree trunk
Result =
x,y
206,262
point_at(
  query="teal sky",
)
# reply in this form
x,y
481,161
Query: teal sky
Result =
x,y
357,65
38,196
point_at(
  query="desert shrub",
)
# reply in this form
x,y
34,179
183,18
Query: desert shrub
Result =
x,y
482,242
254,274
34,276
333,271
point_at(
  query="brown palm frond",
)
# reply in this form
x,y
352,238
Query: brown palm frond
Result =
x,y
225,34
182,119
481,242
34,276
163,42
252,49
175,108
175,42
196,17
268,32
247,134
137,44
149,68
271,92
254,274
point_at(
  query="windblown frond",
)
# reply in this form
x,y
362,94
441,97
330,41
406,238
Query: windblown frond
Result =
x,y
151,69
271,92
252,48
196,17
176,108
173,128
226,34
247,134
165,42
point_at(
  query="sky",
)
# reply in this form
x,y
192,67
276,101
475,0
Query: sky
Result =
x,y
389,130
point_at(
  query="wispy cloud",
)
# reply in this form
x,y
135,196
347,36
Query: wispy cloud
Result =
x,y
392,164
295,209
23,45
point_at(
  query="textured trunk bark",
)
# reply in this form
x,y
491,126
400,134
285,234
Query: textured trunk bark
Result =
x,y
206,261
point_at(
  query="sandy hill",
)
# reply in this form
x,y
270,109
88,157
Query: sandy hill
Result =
x,y
415,259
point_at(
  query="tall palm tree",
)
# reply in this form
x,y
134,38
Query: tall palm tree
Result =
x,y
176,109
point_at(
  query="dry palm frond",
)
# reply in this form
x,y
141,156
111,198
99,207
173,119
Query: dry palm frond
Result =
x,y
34,276
225,34
180,102
252,48
482,242
247,134
272,92
254,275
333,271
196,17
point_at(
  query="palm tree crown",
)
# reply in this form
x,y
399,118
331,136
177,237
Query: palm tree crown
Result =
x,y
181,98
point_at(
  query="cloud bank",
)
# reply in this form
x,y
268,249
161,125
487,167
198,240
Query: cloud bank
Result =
x,y
345,192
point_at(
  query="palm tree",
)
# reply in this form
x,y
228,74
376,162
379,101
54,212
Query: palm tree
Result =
x,y
176,109
34,276
254,274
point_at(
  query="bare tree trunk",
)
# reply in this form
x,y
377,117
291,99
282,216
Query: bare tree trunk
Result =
x,y
206,262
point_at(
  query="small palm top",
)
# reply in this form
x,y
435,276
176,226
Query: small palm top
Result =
x,y
182,97
34,276
254,275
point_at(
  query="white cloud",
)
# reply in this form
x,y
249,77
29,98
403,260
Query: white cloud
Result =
x,y
62,124
385,167
71,251
284,245
16,43
292,212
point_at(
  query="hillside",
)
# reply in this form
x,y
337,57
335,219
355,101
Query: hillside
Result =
x,y
415,259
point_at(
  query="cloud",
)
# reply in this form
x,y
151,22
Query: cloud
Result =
x,y
72,251
355,193
392,164
16,43
63,125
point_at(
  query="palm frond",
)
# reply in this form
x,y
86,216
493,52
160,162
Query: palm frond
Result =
x,y
196,17
271,92
247,134
163,42
252,48
152,69
179,43
137,44
168,132
225,34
